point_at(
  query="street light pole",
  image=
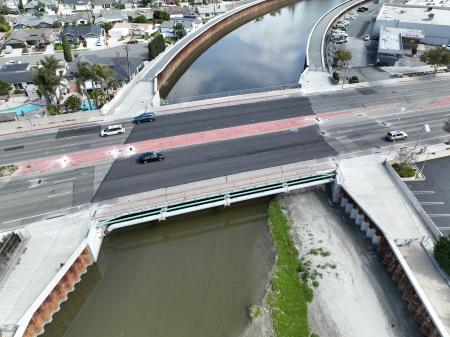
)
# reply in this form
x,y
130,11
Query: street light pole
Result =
x,y
423,166
425,128
128,63
398,128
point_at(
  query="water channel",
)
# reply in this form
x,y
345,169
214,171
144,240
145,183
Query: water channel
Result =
x,y
269,51
191,276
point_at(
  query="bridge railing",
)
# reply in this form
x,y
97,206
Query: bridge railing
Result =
x,y
209,188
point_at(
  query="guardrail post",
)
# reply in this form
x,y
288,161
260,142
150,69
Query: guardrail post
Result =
x,y
162,215
227,200
285,187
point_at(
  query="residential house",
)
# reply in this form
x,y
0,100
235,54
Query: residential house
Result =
x,y
147,12
99,5
42,6
89,36
31,21
211,10
136,30
80,18
12,5
39,37
112,16
70,6
167,27
176,12
19,76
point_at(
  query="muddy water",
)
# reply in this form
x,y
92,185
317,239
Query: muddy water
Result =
x,y
192,276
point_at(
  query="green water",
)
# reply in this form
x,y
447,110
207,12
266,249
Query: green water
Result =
x,y
191,276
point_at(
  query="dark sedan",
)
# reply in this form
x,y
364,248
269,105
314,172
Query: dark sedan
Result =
x,y
148,157
145,117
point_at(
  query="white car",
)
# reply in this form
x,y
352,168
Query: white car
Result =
x,y
343,22
396,135
112,130
8,49
367,37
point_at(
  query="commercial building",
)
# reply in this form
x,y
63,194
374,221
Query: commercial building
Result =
x,y
433,21
394,41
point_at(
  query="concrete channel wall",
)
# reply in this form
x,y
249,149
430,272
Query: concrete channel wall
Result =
x,y
418,304
41,311
232,20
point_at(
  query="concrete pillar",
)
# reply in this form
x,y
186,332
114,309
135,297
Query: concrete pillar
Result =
x,y
354,212
370,232
335,192
348,208
344,202
359,219
376,239
364,226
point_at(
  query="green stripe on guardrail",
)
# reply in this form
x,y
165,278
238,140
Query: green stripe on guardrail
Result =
x,y
216,198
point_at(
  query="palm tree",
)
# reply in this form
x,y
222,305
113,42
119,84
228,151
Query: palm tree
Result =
x,y
105,76
85,73
47,80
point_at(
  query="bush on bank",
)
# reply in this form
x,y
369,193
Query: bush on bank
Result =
x,y
404,170
289,297
441,252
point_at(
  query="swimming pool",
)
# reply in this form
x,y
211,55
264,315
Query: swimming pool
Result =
x,y
85,106
23,109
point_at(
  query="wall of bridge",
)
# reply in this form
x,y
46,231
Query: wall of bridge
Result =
x,y
418,304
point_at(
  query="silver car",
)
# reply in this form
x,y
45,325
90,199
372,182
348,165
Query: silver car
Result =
x,y
396,135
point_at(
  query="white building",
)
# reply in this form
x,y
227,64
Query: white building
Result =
x,y
126,29
433,21
393,42
211,10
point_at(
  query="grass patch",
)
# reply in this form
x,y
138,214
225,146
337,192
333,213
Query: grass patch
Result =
x,y
289,297
6,170
255,311
404,170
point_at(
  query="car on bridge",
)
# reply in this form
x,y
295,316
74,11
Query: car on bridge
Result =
x,y
396,135
148,157
145,117
117,129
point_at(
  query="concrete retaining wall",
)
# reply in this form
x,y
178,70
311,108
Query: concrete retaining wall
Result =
x,y
32,323
418,304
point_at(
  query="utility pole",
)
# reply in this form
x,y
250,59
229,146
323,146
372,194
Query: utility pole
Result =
x,y
128,63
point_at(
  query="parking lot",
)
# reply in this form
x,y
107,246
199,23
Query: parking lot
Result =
x,y
434,193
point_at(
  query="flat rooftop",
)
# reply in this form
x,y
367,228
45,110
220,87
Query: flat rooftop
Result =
x,y
414,14
433,3
391,38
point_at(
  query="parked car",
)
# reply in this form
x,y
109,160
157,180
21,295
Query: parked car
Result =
x,y
98,43
117,129
366,37
148,157
343,22
145,117
362,9
8,49
396,135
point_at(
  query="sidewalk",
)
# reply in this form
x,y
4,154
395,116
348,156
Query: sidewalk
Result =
x,y
370,184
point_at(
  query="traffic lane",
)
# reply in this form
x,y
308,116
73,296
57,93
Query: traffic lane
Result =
x,y
218,118
434,193
25,200
195,163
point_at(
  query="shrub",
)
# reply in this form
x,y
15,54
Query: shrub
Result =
x,y
354,79
5,88
404,170
336,76
255,311
72,103
441,252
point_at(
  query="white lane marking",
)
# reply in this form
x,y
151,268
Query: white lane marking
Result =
x,y
431,202
61,181
423,192
59,194
439,215
41,214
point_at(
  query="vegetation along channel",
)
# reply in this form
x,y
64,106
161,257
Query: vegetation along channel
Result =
x,y
268,51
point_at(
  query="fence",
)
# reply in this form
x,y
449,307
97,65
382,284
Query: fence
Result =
x,y
229,93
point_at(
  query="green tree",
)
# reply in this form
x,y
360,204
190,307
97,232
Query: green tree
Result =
x,y
5,88
140,19
179,31
84,74
441,252
104,76
156,46
20,6
343,57
107,26
66,48
47,81
4,10
437,57
119,5
99,97
161,15
72,103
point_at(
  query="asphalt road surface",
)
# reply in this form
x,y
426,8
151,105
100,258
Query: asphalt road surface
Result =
x,y
411,95
127,176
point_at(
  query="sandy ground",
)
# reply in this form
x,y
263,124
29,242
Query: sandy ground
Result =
x,y
355,296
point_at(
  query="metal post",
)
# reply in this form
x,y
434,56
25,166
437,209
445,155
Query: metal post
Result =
x,y
398,128
423,166
128,63
345,76
425,128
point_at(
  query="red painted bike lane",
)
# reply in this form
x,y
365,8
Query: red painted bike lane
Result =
x,y
76,159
